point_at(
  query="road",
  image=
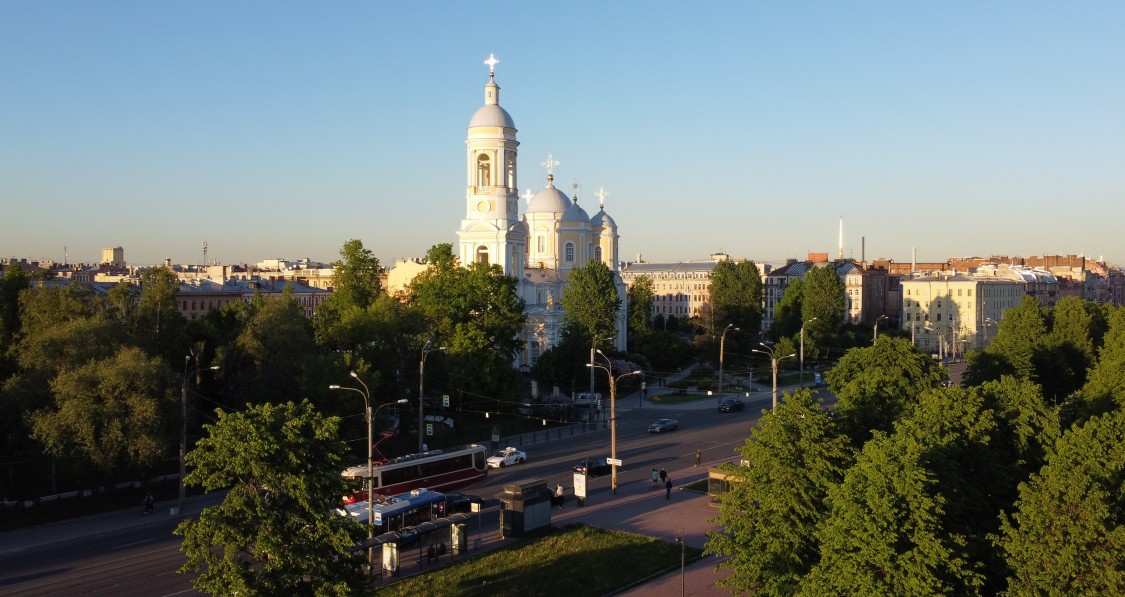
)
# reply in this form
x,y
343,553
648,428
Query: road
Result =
x,y
144,560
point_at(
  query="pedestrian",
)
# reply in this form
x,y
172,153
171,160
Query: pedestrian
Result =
x,y
655,477
663,475
150,504
668,489
559,495
698,457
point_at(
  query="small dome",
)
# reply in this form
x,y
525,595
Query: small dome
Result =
x,y
549,200
602,220
491,114
575,213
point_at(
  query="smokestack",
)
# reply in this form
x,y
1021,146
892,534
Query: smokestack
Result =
x,y
863,249
913,259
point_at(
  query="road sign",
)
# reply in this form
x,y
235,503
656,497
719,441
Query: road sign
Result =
x,y
495,433
613,461
445,400
429,429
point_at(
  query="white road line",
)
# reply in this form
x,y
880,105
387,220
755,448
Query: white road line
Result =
x,y
131,544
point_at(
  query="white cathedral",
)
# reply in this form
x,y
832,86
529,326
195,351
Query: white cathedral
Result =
x,y
553,236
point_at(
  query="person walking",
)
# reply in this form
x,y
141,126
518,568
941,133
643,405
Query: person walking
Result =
x,y
668,489
655,477
559,495
698,457
150,504
663,475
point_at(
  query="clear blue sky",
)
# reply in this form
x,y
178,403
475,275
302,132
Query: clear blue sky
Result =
x,y
283,129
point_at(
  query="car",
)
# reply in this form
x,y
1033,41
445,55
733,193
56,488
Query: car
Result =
x,y
729,405
663,425
593,467
506,457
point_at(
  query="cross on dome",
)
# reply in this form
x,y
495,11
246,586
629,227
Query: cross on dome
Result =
x,y
528,195
601,195
550,165
492,62
575,186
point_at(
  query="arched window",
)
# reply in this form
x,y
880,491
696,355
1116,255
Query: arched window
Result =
x,y
484,171
568,254
541,244
482,254
511,170
597,253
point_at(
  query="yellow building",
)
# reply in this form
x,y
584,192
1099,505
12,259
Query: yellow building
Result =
x,y
949,315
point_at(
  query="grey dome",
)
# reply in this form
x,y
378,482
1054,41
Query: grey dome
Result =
x,y
549,200
575,213
492,115
602,219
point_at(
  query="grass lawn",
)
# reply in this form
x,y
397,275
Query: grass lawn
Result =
x,y
573,560
679,398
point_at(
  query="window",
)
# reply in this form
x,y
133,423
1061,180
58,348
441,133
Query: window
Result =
x,y
482,254
598,253
484,171
568,254
511,170
541,244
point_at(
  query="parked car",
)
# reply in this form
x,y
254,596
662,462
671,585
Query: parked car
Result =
x,y
663,425
593,467
506,457
729,405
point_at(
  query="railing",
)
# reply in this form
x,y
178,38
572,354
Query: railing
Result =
x,y
546,436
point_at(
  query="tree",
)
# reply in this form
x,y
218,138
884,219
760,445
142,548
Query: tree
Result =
x,y
775,503
1105,385
884,535
355,276
159,325
273,348
117,413
11,284
736,296
273,533
823,299
787,313
640,307
1022,333
590,302
1066,536
876,385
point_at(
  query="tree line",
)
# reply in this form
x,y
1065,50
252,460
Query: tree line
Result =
x,y
1009,485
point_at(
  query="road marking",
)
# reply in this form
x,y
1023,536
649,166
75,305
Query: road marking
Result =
x,y
131,544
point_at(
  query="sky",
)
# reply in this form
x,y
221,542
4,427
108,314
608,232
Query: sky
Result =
x,y
284,129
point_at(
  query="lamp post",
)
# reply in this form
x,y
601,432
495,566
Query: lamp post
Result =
x,y
682,540
183,427
773,362
593,347
370,464
608,368
722,350
987,322
803,349
877,320
421,397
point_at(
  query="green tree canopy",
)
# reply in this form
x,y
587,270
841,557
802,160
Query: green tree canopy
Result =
x,y
640,298
274,533
1066,536
116,412
823,299
339,322
776,502
273,348
158,325
590,302
875,385
736,296
787,313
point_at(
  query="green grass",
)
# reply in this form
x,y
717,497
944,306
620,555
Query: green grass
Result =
x,y
574,560
679,398
700,486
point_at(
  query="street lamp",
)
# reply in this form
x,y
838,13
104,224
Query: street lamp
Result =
x,y
987,322
366,393
877,320
803,349
773,362
722,347
608,368
183,427
593,347
421,399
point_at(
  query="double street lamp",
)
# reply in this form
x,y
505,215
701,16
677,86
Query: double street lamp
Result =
x,y
722,351
366,393
183,426
421,397
608,368
773,361
877,320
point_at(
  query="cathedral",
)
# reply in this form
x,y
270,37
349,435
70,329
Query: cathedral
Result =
x,y
540,247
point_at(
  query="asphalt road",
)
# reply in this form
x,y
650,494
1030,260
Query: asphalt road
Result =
x,y
144,560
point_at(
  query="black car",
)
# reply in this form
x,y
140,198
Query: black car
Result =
x,y
593,467
729,405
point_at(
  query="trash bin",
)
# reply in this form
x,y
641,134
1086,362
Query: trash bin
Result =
x,y
459,537
524,506
173,511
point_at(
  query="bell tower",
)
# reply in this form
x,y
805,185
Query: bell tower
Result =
x,y
491,231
